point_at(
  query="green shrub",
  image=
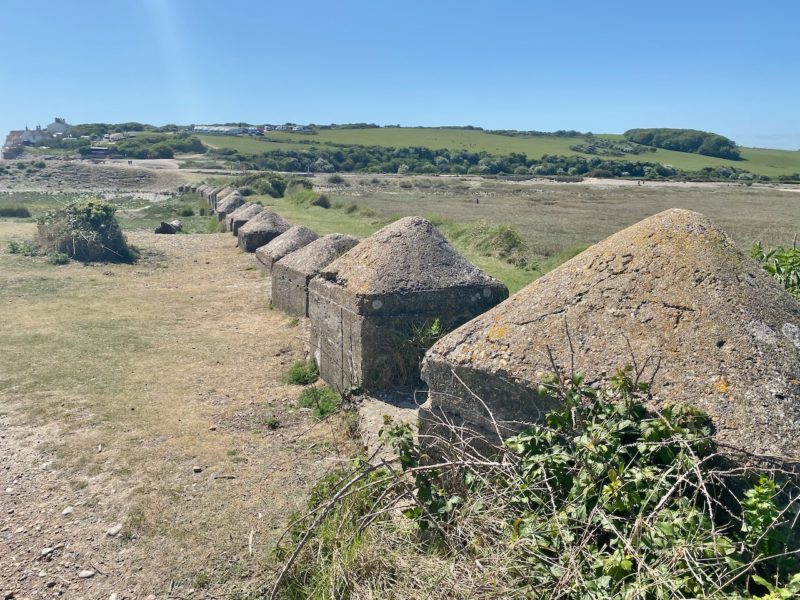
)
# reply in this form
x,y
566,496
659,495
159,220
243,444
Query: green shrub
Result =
x,y
302,372
323,401
25,248
15,211
57,258
335,179
86,231
187,212
351,208
321,201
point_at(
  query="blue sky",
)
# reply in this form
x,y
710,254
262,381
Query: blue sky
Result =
x,y
731,67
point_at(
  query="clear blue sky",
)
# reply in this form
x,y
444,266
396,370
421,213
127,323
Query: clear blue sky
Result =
x,y
732,67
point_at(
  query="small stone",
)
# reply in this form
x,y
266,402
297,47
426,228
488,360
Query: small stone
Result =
x,y
67,511
197,469
46,551
212,428
114,530
8,596
86,574
113,596
151,597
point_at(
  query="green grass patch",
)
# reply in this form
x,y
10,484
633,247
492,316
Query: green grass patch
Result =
x,y
322,401
302,372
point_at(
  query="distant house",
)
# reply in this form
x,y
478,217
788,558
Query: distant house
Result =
x,y
282,128
301,128
34,136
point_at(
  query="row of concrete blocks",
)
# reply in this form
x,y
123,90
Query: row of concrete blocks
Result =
x,y
374,307
372,304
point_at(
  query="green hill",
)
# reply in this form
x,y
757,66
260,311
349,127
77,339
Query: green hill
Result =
x,y
760,161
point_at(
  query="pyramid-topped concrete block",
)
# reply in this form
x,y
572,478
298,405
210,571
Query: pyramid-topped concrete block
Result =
x,y
292,239
242,215
214,197
673,293
228,204
370,308
260,230
291,274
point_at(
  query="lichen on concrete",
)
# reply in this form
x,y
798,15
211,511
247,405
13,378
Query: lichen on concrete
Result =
x,y
671,294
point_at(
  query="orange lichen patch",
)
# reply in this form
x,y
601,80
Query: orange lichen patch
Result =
x,y
497,332
722,384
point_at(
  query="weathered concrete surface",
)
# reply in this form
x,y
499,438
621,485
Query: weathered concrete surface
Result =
x,y
260,230
292,239
370,307
214,197
291,274
673,289
228,204
372,414
242,215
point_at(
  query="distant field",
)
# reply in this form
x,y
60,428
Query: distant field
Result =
x,y
757,160
553,219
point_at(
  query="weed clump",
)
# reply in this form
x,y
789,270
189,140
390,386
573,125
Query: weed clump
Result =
x,y
57,258
86,230
783,264
322,401
302,372
23,248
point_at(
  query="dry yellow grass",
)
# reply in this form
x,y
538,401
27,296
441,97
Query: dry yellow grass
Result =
x,y
115,382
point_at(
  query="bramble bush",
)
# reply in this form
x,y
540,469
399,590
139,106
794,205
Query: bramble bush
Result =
x,y
86,230
604,499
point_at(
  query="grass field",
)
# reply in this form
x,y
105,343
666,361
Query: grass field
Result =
x,y
554,220
757,160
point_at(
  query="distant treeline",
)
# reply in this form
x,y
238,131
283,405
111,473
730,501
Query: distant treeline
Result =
x,y
95,130
686,140
607,147
420,160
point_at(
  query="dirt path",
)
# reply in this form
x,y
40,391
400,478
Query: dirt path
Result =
x,y
143,396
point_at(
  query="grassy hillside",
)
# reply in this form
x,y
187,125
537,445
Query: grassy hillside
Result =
x,y
756,160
